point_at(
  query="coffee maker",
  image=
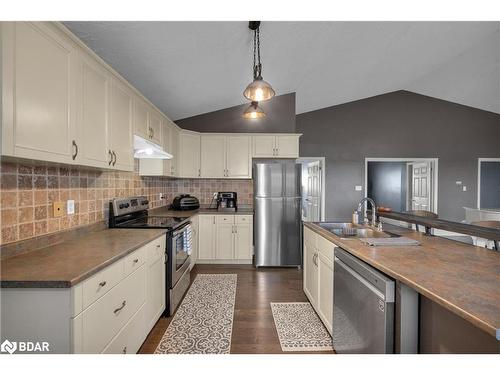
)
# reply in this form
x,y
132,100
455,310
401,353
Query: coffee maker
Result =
x,y
227,201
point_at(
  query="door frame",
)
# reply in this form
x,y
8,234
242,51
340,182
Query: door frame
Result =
x,y
322,161
435,169
479,161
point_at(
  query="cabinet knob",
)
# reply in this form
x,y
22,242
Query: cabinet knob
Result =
x,y
102,283
136,260
124,351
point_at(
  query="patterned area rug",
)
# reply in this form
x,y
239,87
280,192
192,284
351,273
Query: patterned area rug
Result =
x,y
299,328
203,322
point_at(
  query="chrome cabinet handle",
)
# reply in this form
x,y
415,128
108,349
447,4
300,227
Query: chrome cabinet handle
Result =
x,y
136,260
102,283
199,172
121,307
114,157
76,150
110,157
124,351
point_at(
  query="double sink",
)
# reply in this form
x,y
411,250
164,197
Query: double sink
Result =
x,y
354,231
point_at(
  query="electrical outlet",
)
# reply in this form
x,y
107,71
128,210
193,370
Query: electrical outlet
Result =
x,y
214,196
58,208
70,207
162,196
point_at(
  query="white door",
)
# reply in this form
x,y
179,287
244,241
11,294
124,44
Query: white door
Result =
x,y
325,290
313,192
120,120
189,159
264,146
243,241
39,92
287,146
206,236
141,121
155,123
310,274
213,156
238,156
155,291
93,114
224,248
421,191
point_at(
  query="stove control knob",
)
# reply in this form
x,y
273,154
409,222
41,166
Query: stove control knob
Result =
x,y
124,205
144,202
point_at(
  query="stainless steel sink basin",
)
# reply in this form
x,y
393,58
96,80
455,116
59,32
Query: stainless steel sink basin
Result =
x,y
350,230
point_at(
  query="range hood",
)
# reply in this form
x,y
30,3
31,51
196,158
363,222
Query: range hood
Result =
x,y
144,149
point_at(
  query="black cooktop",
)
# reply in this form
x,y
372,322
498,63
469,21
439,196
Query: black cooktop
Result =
x,y
153,222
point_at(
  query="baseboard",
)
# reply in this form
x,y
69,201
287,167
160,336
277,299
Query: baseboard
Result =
x,y
224,261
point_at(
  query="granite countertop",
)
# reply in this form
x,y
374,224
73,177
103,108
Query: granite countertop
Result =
x,y
464,279
68,263
167,212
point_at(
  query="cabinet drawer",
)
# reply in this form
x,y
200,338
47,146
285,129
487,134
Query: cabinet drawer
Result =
x,y
99,284
131,337
309,237
325,247
155,250
243,219
224,219
134,260
104,319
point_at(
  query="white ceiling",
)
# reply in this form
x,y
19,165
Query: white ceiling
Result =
x,y
189,68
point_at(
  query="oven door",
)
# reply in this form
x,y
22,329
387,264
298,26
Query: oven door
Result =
x,y
181,243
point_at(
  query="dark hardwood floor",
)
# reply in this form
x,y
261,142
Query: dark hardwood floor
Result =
x,y
253,326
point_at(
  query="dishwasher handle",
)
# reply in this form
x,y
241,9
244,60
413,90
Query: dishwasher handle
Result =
x,y
339,263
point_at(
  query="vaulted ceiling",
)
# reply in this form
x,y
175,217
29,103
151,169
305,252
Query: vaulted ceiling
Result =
x,y
189,68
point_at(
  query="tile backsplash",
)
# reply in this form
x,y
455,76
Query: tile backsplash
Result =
x,y
29,190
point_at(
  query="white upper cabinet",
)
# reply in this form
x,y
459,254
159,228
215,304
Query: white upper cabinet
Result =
x,y
155,125
141,118
39,79
276,146
120,121
213,156
238,156
189,154
174,150
93,99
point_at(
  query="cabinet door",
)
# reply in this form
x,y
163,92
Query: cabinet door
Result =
x,y
120,119
141,118
243,241
325,291
174,147
213,156
155,291
310,274
238,157
224,244
189,158
263,146
287,146
39,92
155,123
206,235
93,114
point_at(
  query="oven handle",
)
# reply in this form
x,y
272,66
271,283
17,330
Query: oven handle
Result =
x,y
180,230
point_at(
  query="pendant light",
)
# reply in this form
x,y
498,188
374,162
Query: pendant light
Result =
x,y
259,89
253,111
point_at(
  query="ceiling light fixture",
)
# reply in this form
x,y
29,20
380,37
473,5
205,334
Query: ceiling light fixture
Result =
x,y
253,111
259,89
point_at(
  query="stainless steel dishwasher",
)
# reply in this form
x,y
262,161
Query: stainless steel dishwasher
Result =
x,y
363,307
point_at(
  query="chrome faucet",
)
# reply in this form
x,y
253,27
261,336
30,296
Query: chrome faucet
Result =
x,y
374,210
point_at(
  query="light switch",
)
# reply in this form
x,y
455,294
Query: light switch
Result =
x,y
464,188
70,207
458,182
358,188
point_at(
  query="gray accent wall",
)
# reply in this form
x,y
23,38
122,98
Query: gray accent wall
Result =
x,y
387,184
399,124
280,118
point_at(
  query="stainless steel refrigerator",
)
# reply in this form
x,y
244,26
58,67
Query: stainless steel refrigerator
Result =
x,y
277,224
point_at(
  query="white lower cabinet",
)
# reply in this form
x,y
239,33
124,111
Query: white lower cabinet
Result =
x,y
155,296
225,239
130,337
318,275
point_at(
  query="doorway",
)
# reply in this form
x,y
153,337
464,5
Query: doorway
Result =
x,y
403,184
488,183
313,188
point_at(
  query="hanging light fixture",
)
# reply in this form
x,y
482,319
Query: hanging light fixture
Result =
x,y
259,89
253,111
